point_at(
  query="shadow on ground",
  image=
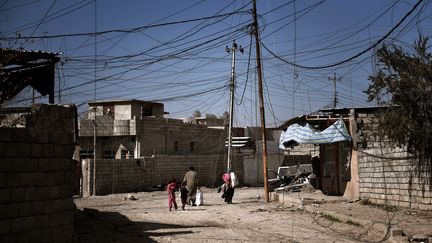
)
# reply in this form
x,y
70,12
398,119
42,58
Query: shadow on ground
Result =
x,y
92,225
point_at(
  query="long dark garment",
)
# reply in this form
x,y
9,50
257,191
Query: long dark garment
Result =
x,y
228,193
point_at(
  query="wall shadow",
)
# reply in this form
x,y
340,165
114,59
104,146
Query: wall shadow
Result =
x,y
92,225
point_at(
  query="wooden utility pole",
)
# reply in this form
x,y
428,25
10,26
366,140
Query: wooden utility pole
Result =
x,y
261,99
334,79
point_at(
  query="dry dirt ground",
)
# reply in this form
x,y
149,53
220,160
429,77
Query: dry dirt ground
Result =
x,y
398,224
111,218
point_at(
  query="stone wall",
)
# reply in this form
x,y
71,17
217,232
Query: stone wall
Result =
x,y
131,175
37,177
387,175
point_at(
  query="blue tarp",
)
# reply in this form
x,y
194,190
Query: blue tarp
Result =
x,y
297,134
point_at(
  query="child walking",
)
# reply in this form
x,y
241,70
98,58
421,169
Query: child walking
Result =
x,y
171,187
183,194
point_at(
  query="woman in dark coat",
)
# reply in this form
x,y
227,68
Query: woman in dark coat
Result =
x,y
227,188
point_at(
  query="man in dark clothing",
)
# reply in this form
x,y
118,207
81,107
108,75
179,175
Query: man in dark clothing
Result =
x,y
191,180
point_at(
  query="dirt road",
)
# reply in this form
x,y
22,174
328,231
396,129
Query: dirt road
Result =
x,y
249,219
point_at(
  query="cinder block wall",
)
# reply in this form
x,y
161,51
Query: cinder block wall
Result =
x,y
159,135
155,135
36,177
386,175
117,176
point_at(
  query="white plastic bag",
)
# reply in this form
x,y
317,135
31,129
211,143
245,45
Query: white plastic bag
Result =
x,y
199,198
234,179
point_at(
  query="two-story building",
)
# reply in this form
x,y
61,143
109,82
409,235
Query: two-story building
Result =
x,y
135,128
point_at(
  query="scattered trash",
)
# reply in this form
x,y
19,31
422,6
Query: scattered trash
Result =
x,y
130,197
354,200
298,182
419,238
261,210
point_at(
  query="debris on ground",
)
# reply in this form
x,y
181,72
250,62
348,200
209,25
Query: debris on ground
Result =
x,y
130,197
89,212
301,182
259,210
419,238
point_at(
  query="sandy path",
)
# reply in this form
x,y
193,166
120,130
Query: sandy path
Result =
x,y
248,219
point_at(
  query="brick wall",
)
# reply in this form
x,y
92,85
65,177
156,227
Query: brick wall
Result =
x,y
386,174
36,177
116,176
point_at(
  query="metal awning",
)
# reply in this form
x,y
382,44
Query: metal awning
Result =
x,y
19,68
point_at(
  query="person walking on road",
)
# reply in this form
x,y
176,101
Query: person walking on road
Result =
x,y
227,188
191,180
183,195
171,187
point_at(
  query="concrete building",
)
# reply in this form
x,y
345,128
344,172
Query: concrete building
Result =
x,y
134,128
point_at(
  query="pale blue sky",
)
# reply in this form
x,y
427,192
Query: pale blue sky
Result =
x,y
185,65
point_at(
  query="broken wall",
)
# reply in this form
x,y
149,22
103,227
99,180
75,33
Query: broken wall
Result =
x,y
37,177
131,175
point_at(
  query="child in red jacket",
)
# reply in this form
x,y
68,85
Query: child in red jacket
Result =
x,y
171,187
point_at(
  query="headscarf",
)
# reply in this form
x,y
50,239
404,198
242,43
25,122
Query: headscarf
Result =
x,y
226,177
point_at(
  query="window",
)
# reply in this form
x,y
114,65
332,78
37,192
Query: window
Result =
x,y
109,154
86,154
146,110
176,145
191,146
108,110
123,154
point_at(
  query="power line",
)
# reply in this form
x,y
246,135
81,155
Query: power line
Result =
x,y
129,30
49,18
353,57
17,6
44,17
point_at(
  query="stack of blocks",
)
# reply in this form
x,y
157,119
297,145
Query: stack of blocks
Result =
x,y
37,177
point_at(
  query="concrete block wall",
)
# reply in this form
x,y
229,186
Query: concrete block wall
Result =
x,y
119,176
105,127
37,177
159,134
387,175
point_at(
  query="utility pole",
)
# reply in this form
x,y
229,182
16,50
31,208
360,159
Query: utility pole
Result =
x,y
94,151
95,108
233,50
261,99
334,79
